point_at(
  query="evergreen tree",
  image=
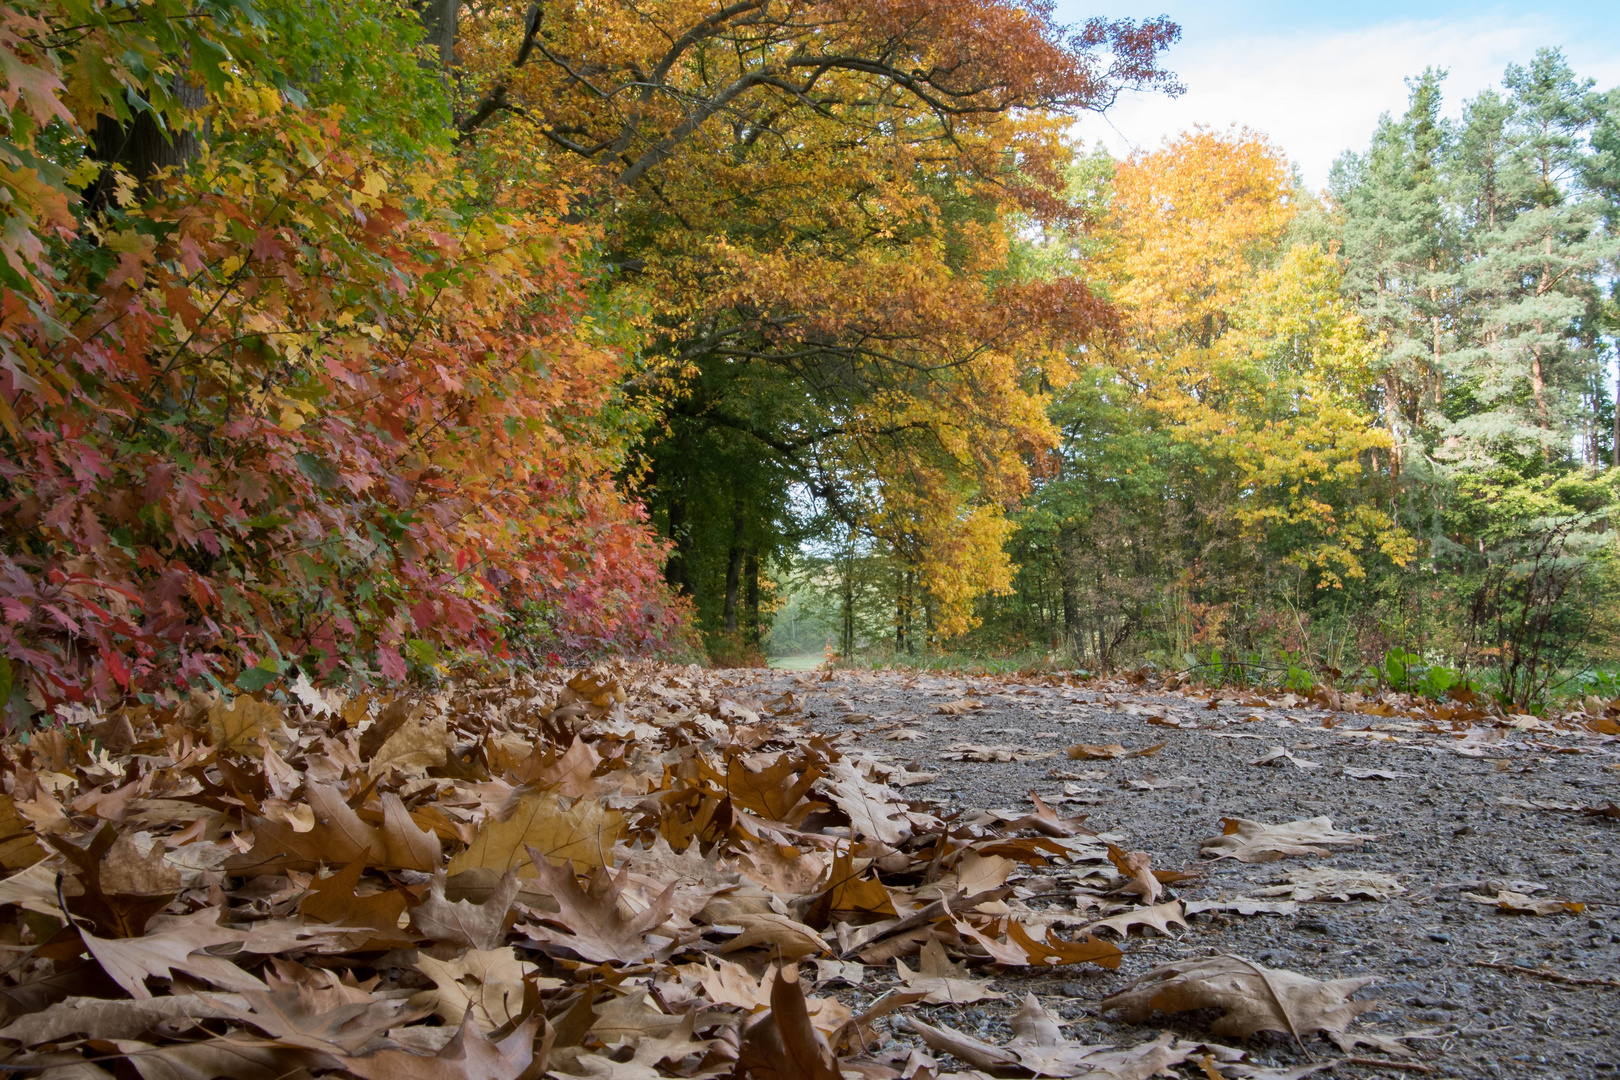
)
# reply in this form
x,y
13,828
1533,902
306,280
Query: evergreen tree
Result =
x,y
1538,248
1401,253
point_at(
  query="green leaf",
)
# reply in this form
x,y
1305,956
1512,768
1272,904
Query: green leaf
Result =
x,y
6,680
255,678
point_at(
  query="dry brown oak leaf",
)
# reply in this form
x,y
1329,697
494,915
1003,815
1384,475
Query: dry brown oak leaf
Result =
x,y
792,939
1038,1048
847,890
314,1010
471,1055
174,945
945,983
875,811
1255,842
1022,949
783,1044
1046,821
1137,868
1159,918
1107,751
339,837
116,1019
647,1055
18,848
240,724
1326,883
583,833
487,984
334,900
776,787
463,923
1254,998
1518,903
113,885
594,926
234,1056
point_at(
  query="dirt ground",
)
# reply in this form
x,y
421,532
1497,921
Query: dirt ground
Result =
x,y
1456,818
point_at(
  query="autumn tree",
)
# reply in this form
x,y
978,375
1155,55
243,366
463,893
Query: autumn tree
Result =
x,y
298,399
1218,451
808,208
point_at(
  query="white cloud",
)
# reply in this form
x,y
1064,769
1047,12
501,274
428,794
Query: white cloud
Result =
x,y
1319,94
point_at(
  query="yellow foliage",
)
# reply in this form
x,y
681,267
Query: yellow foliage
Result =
x,y
1243,345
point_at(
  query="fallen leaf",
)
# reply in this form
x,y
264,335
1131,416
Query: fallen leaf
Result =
x,y
1519,903
172,944
469,1056
1252,841
484,984
1327,883
583,833
1158,918
18,847
334,900
314,1010
1277,755
1244,905
873,808
463,923
944,983
1038,1048
783,1044
339,837
793,939
593,924
1136,868
1149,782
237,726
115,1019
1253,998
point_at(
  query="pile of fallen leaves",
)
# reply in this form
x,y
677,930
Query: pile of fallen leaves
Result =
x,y
633,873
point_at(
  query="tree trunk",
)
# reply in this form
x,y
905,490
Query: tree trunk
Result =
x,y
899,612
144,146
439,19
846,634
734,565
1538,383
675,570
1067,541
753,632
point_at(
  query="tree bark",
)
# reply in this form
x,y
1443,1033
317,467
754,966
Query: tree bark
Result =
x,y
675,570
440,19
754,631
1067,540
734,565
144,145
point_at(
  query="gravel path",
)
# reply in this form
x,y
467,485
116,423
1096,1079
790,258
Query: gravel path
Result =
x,y
1443,829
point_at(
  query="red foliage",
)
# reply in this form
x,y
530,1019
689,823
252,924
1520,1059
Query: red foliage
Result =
x,y
305,406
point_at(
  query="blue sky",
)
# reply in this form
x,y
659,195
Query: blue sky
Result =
x,y
1316,77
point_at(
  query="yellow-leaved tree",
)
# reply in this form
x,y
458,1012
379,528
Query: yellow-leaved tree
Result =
x,y
1240,343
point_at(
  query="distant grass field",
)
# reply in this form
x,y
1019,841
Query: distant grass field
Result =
x,y
804,662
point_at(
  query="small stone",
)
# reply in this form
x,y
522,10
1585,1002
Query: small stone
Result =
x,y
1444,939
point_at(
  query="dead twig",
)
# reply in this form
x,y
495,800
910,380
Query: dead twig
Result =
x,y
1380,1063
1548,974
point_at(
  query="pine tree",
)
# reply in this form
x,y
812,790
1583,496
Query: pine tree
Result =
x,y
1401,252
1538,246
